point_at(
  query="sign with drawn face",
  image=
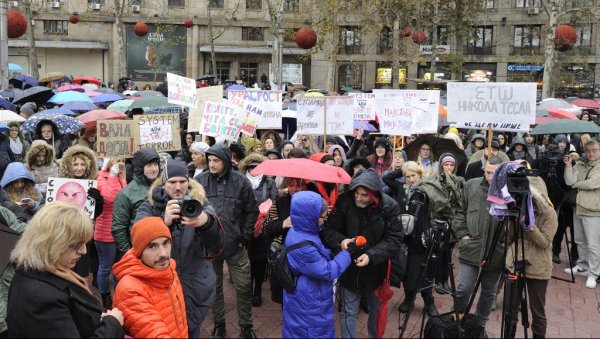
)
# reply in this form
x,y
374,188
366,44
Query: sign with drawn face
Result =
x,y
73,191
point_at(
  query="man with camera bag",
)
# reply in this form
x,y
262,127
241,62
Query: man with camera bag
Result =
x,y
196,232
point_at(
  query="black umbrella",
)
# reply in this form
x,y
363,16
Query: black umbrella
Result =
x,y
8,239
438,146
37,94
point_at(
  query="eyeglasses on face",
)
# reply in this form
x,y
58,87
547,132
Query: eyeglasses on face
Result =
x,y
77,246
304,139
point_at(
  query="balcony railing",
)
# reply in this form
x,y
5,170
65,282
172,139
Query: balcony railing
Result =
x,y
472,50
523,50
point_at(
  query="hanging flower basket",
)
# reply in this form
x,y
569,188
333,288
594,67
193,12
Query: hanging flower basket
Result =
x,y
16,23
306,38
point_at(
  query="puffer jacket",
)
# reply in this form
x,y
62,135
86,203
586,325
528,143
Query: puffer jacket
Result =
x,y
308,311
192,248
538,241
151,299
380,225
232,195
130,198
65,170
475,221
109,186
589,189
47,170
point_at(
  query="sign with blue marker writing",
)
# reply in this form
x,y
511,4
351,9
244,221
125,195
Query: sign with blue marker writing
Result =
x,y
265,105
182,90
507,106
221,120
406,112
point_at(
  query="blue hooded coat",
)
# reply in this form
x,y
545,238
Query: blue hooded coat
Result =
x,y
308,311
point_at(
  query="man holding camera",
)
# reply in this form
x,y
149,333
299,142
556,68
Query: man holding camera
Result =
x,y
196,232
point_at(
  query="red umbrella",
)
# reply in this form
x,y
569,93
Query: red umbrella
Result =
x,y
543,120
91,80
90,118
587,103
561,114
384,293
303,169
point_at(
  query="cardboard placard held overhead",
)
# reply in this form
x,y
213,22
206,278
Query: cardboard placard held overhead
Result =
x,y
204,94
325,115
269,104
250,115
73,191
157,131
182,90
364,108
115,138
406,112
509,105
221,120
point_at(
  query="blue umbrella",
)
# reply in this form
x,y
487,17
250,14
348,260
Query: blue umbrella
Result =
x,y
236,87
65,124
79,106
7,105
14,67
3,127
60,110
23,81
11,93
68,96
365,126
107,98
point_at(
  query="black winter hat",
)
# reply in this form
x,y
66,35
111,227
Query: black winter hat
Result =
x,y
383,141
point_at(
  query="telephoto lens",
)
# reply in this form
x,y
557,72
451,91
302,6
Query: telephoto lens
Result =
x,y
190,207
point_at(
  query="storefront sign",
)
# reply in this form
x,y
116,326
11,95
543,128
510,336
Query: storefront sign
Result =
x,y
384,76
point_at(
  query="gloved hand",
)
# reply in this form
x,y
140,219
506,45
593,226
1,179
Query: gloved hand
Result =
x,y
114,170
94,193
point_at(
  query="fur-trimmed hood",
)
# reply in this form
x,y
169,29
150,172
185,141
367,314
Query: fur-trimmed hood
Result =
x,y
36,147
250,158
65,168
159,198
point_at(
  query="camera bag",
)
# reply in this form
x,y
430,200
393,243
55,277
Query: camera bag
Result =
x,y
444,326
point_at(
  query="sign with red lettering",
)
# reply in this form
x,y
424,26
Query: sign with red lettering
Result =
x,y
115,138
157,131
406,112
221,120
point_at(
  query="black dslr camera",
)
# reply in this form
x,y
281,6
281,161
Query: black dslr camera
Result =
x,y
190,207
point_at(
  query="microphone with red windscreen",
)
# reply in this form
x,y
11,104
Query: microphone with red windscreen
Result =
x,y
358,244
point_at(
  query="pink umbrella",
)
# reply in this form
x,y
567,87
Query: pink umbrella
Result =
x,y
561,114
90,118
92,94
71,88
543,120
587,103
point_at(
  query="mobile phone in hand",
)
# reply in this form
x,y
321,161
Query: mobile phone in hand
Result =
x,y
26,201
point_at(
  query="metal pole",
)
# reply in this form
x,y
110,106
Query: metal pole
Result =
x,y
3,44
280,32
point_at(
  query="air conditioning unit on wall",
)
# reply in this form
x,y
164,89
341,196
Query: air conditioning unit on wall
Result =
x,y
15,4
55,4
96,7
135,8
533,11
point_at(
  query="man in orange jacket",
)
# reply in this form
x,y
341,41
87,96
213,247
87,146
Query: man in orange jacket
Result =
x,y
149,292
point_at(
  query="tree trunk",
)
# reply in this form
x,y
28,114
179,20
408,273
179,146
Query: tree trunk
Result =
x,y
396,56
275,14
31,50
549,51
213,59
121,37
333,52
434,42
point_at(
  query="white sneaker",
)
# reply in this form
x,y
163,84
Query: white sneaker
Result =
x,y
577,270
591,282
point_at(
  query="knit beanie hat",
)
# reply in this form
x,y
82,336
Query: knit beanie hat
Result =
x,y
174,168
199,146
448,158
146,230
384,142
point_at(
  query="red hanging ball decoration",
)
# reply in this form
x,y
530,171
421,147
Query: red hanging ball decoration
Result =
x,y
16,23
140,29
565,38
306,38
74,18
406,31
419,37
188,23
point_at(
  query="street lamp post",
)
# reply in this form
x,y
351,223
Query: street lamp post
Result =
x,y
280,32
3,44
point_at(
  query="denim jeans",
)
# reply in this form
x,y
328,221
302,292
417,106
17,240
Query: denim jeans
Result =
x,y
107,252
349,313
467,276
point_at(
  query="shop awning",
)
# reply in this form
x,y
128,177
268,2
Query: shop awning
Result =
x,y
250,50
60,44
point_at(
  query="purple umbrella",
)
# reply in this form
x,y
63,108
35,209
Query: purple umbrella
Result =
x,y
236,87
23,81
365,126
79,106
106,98
7,105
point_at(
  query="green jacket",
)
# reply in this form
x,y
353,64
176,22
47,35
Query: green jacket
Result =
x,y
7,276
125,207
475,221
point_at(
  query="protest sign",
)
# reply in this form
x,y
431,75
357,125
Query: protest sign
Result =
x,y
496,126
221,120
325,115
310,119
405,112
267,103
157,131
182,90
73,191
364,108
115,138
510,104
212,93
250,114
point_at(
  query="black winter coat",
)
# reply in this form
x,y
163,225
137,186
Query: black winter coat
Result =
x,y
43,305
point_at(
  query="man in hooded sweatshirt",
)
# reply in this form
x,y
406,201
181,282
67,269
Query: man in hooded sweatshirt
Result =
x,y
146,167
231,193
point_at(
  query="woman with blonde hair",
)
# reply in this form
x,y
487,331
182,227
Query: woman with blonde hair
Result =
x,y
48,299
19,185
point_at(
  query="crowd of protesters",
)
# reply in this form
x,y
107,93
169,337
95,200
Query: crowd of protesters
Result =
x,y
160,273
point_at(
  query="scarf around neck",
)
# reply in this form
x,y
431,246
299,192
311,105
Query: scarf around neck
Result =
x,y
254,180
70,276
16,146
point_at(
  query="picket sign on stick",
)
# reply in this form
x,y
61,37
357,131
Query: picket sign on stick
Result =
x,y
203,94
490,134
221,120
157,131
325,115
115,138
324,125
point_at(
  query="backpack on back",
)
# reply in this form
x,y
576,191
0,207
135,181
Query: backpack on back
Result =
x,y
281,272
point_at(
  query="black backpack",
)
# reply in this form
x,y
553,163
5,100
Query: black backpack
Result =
x,y
281,269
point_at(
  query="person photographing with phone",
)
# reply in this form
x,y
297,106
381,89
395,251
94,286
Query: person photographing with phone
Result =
x,y
19,185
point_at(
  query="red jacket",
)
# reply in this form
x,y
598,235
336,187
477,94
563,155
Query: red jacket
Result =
x,y
151,299
109,187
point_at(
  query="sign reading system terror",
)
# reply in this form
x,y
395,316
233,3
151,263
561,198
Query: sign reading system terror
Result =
x,y
363,106
204,94
73,191
221,120
115,138
406,112
507,106
157,131
265,104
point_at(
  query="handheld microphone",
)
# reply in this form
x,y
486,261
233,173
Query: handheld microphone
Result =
x,y
358,244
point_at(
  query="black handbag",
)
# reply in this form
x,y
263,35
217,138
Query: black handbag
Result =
x,y
570,197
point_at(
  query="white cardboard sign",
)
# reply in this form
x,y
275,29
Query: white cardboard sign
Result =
x,y
406,112
73,191
364,108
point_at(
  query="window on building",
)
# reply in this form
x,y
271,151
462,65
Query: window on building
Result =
x,y
134,2
253,4
386,40
56,27
488,4
216,3
176,3
248,71
223,70
291,5
442,36
350,40
584,39
529,3
253,34
96,2
350,75
481,42
527,39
